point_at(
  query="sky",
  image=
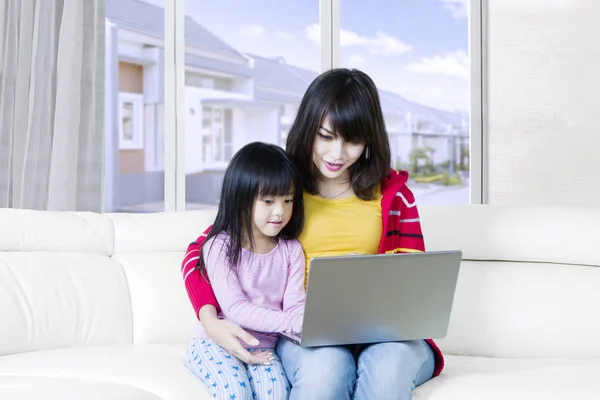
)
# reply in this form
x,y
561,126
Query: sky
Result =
x,y
416,48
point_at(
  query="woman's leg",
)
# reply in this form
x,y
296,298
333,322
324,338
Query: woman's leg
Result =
x,y
269,382
224,375
320,373
393,370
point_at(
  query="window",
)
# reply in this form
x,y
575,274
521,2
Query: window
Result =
x,y
247,66
287,114
131,121
216,136
242,68
134,89
418,55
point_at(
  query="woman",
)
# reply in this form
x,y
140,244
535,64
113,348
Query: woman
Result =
x,y
354,203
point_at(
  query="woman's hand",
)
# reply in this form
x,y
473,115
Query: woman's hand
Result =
x,y
226,335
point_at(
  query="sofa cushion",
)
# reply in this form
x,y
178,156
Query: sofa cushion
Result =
x,y
160,307
156,369
31,387
538,233
514,379
150,248
30,230
158,232
54,299
524,310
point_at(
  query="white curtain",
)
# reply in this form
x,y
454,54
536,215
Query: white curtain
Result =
x,y
52,104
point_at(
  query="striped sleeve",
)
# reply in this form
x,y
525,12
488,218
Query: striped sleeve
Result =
x,y
404,233
198,287
237,306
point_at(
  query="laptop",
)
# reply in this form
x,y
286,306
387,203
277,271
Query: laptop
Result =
x,y
378,298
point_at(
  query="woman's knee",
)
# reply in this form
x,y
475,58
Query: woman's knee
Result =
x,y
324,372
411,362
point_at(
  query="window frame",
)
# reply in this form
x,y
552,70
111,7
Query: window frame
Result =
x,y
137,100
217,164
175,108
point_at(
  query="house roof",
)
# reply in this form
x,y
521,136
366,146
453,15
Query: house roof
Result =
x,y
275,79
142,17
197,61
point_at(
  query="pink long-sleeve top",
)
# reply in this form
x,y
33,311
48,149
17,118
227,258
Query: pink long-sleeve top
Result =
x,y
263,293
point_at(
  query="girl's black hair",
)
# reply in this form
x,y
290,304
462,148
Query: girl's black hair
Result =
x,y
349,98
256,170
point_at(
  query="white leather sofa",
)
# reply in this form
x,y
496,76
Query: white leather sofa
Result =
x,y
93,306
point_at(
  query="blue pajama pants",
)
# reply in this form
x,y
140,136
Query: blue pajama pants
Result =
x,y
228,378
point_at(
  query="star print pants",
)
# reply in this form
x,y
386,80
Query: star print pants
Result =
x,y
228,378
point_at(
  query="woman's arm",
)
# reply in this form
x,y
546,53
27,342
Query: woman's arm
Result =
x,y
407,235
227,335
234,302
198,287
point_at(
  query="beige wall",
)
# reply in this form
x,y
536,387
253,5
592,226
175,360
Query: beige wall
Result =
x,y
131,79
544,101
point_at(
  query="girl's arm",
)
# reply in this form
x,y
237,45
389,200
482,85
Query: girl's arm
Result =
x,y
198,287
234,302
294,297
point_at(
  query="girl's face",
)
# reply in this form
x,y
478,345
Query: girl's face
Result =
x,y
271,214
332,155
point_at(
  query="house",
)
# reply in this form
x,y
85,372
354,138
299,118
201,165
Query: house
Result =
x,y
231,98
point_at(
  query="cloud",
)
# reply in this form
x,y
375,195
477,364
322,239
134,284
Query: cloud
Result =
x,y
285,35
313,32
452,64
388,44
458,8
252,30
356,59
348,38
381,43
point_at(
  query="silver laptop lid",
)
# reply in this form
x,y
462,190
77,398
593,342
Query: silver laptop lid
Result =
x,y
379,298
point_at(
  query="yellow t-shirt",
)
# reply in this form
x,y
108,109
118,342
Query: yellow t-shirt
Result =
x,y
335,227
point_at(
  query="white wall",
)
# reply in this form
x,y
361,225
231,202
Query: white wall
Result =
x,y
544,101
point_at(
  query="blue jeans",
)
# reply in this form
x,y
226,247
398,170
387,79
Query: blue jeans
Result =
x,y
380,371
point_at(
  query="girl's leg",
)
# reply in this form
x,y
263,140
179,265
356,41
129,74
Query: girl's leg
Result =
x,y
393,370
320,373
224,375
269,382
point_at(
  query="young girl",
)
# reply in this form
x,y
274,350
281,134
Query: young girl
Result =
x,y
256,268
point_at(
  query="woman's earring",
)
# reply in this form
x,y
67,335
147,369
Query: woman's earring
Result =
x,y
367,153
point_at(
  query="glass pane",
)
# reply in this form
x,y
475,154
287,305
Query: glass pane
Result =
x,y
127,121
134,178
250,62
417,54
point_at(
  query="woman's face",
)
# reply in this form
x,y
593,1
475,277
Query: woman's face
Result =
x,y
332,155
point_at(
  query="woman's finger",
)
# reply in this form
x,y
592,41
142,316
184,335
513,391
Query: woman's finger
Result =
x,y
246,337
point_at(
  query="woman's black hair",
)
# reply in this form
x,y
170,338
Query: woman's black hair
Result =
x,y
256,170
349,99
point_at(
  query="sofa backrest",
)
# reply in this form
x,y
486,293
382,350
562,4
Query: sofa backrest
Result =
x,y
58,285
529,284
150,249
82,279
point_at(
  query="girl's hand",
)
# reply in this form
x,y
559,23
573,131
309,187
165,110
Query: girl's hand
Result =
x,y
226,335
